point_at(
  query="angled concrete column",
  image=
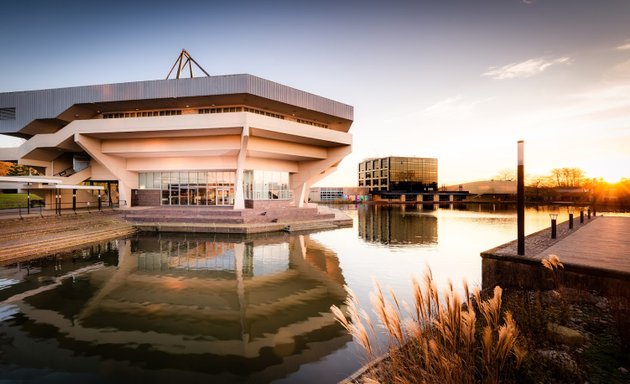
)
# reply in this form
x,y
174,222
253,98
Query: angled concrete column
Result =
x,y
310,172
115,165
239,196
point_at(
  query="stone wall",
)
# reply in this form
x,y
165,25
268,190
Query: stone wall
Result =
x,y
145,197
267,204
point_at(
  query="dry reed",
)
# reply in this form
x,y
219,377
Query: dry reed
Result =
x,y
440,339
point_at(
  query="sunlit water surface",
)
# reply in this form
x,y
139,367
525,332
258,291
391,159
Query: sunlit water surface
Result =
x,y
195,308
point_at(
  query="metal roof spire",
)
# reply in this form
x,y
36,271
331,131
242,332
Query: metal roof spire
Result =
x,y
184,59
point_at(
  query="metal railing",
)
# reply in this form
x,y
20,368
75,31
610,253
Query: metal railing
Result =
x,y
38,208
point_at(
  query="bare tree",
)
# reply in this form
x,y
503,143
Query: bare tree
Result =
x,y
568,177
506,174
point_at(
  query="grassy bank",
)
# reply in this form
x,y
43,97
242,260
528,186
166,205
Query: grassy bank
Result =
x,y
16,200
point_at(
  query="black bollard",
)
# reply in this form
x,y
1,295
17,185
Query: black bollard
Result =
x,y
553,228
581,216
589,214
571,220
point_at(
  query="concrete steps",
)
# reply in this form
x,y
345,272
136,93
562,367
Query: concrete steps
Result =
x,y
37,237
65,243
219,216
183,219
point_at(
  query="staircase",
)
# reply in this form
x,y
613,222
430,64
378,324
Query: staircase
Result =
x,y
22,239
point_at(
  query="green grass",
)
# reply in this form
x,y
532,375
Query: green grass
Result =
x,y
15,200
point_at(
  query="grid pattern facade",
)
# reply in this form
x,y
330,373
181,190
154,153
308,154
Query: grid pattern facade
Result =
x,y
399,174
330,194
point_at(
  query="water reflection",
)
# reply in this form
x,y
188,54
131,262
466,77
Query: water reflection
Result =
x,y
181,308
398,224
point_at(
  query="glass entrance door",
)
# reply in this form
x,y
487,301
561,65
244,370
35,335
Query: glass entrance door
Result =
x,y
183,195
193,195
212,196
223,196
202,196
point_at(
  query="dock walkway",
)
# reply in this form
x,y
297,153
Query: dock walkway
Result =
x,y
596,255
604,244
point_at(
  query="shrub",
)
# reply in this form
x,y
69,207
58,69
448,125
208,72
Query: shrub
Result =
x,y
441,339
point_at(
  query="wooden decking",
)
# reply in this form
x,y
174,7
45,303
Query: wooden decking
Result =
x,y
596,255
604,244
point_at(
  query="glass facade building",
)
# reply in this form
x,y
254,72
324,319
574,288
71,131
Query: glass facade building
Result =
x,y
214,187
399,174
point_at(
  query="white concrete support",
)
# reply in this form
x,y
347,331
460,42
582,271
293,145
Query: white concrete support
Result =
x,y
239,195
239,254
310,172
115,165
436,198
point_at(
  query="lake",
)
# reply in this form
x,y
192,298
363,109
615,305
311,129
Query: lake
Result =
x,y
210,308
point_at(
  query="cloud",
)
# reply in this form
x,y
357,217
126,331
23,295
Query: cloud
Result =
x,y
624,47
526,68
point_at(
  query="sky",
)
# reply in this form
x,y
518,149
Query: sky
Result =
x,y
462,81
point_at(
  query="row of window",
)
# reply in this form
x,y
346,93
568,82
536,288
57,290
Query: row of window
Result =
x,y
266,185
313,123
162,180
330,194
175,112
122,115
202,185
7,113
240,109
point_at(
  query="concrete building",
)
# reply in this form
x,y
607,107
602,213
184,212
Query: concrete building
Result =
x,y
487,187
399,174
235,140
337,194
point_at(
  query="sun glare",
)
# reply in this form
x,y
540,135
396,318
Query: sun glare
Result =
x,y
609,174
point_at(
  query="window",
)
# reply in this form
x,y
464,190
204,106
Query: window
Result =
x,y
266,185
7,113
122,115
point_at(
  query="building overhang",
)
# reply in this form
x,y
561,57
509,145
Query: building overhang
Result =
x,y
43,111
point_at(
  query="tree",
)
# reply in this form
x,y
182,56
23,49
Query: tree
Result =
x,y
506,174
4,168
568,177
21,170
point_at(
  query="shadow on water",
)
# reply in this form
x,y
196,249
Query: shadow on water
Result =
x,y
173,307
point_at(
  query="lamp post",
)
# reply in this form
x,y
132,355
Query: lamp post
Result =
x,y
570,209
554,217
520,199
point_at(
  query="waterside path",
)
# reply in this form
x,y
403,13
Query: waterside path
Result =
x,y
596,255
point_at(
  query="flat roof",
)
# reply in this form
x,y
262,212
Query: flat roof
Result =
x,y
29,179
55,183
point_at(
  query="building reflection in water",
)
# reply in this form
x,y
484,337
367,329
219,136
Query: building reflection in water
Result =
x,y
252,310
398,224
